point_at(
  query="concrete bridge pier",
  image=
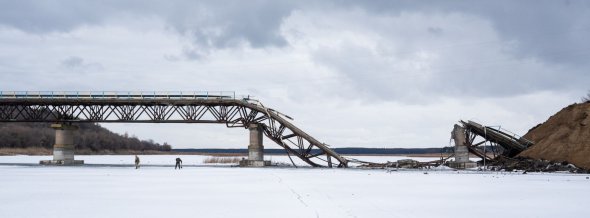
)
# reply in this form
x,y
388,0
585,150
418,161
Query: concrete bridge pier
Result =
x,y
63,149
255,148
461,152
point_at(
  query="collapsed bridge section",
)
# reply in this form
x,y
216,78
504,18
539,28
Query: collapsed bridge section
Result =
x,y
465,134
511,143
179,107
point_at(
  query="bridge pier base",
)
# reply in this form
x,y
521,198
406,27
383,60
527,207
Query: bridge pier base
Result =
x,y
255,148
63,149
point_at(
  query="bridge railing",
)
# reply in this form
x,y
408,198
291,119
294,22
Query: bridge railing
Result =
x,y
118,94
518,137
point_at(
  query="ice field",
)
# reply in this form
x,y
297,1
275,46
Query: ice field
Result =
x,y
189,160
109,187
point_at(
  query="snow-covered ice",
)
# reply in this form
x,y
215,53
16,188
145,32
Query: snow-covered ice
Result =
x,y
186,159
211,191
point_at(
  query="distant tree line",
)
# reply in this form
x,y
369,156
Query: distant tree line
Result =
x,y
89,136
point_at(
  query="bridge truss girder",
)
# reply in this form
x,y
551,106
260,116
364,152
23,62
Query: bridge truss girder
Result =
x,y
231,112
478,148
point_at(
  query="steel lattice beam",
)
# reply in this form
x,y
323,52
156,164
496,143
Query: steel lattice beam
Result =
x,y
231,112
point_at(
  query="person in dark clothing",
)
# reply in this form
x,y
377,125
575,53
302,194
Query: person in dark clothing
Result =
x,y
178,163
136,162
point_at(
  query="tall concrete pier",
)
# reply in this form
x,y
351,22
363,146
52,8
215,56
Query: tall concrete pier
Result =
x,y
255,148
461,152
63,149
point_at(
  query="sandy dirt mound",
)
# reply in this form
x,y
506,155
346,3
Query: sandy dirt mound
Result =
x,y
565,136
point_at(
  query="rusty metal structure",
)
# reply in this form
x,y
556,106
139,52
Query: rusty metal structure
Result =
x,y
510,143
167,107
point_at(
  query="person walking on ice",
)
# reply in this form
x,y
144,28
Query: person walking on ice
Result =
x,y
178,163
136,162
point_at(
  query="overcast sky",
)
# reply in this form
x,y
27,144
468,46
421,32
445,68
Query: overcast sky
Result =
x,y
351,73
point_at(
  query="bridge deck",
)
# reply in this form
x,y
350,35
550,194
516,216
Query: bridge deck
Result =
x,y
117,94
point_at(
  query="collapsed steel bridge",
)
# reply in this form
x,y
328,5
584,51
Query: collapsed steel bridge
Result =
x,y
167,107
511,143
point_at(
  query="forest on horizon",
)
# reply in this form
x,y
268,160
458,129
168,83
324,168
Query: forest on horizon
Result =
x,y
90,136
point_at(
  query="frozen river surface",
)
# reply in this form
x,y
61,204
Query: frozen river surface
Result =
x,y
207,191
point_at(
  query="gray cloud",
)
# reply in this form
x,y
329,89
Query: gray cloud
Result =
x,y
556,31
553,30
72,62
79,65
211,24
50,16
535,46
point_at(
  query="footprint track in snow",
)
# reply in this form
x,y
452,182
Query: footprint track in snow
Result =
x,y
297,195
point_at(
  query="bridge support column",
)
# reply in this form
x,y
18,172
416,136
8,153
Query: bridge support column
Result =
x,y
255,148
461,152
63,149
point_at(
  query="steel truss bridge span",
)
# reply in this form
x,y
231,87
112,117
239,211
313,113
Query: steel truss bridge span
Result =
x,y
234,113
